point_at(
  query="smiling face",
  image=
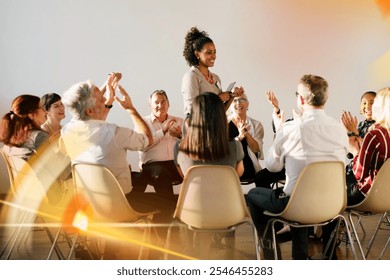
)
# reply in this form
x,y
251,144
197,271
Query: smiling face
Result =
x,y
56,111
159,106
207,55
366,105
38,116
240,105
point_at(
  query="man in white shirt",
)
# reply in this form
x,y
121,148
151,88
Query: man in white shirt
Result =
x,y
156,161
89,138
313,137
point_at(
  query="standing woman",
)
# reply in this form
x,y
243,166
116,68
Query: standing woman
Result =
x,y
55,114
200,54
20,128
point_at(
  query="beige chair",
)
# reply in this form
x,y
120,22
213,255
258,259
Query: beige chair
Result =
x,y
110,216
6,185
24,205
377,202
211,200
6,177
318,198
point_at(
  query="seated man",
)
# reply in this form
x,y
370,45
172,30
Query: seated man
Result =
x,y
88,138
313,137
156,161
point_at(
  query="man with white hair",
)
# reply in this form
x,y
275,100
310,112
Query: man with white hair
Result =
x,y
89,138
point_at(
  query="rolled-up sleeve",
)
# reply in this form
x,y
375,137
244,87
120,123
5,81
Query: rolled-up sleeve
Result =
x,y
274,161
130,140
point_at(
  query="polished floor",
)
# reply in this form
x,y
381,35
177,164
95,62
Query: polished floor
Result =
x,y
35,245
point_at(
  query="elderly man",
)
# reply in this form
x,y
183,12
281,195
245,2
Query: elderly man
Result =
x,y
89,138
313,137
156,161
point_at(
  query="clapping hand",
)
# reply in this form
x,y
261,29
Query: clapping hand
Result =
x,y
350,122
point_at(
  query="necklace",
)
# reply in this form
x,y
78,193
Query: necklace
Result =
x,y
209,77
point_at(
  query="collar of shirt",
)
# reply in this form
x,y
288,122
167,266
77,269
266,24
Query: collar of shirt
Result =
x,y
153,118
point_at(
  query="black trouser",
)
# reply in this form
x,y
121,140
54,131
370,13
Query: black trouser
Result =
x,y
265,178
161,175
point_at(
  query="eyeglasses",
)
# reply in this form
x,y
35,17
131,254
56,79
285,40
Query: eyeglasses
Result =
x,y
240,100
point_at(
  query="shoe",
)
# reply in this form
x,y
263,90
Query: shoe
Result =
x,y
283,237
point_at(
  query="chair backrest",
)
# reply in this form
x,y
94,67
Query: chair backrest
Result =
x,y
6,178
211,198
28,191
101,190
378,198
319,194
26,181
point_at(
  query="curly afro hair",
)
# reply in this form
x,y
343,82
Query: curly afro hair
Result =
x,y
194,41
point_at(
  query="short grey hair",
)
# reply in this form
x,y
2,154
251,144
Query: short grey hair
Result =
x,y
78,98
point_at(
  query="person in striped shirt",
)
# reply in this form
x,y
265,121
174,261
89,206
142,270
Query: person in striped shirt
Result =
x,y
371,152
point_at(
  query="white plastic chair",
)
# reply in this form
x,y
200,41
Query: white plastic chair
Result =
x,y
28,194
211,200
377,202
6,177
318,198
110,208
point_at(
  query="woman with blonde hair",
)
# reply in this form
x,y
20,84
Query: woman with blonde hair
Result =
x,y
372,151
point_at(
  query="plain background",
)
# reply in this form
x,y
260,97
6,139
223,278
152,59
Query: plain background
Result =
x,y
48,45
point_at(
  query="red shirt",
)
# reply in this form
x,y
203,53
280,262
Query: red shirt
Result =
x,y
374,151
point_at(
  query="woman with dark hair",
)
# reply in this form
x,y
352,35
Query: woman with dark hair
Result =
x,y
200,54
55,113
20,128
206,140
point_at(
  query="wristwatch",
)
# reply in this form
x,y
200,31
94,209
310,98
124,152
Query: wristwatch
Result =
x,y
351,133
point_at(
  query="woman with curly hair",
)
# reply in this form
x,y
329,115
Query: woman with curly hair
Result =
x,y
20,128
200,54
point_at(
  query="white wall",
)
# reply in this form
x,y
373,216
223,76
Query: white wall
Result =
x,y
48,45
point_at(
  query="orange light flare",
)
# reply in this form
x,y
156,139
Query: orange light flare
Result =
x,y
384,6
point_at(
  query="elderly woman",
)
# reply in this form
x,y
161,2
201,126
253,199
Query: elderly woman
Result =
x,y
250,133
